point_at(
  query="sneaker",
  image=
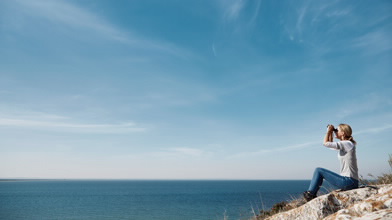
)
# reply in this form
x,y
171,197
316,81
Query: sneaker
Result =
x,y
308,196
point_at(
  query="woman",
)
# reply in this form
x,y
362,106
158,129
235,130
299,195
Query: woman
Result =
x,y
348,178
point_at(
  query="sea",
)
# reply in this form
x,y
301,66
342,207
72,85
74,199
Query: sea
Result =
x,y
143,199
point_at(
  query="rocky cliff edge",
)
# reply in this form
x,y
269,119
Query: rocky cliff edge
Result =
x,y
364,203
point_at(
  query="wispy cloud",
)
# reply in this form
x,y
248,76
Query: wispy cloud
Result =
x,y
368,103
241,13
59,124
301,15
64,13
274,150
233,9
374,130
256,12
303,21
338,13
317,24
7,111
295,24
375,42
70,15
213,49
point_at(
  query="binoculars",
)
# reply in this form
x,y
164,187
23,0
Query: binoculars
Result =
x,y
334,129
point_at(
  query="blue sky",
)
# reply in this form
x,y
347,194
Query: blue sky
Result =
x,y
172,89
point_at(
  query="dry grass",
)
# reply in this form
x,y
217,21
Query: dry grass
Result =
x,y
281,207
385,178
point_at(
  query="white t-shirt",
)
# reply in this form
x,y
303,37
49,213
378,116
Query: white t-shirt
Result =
x,y
347,157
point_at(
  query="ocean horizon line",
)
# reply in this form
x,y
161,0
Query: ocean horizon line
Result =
x,y
131,179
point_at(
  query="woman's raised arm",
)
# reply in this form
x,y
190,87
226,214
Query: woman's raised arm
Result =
x,y
329,135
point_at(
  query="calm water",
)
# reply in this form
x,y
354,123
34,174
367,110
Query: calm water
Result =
x,y
126,199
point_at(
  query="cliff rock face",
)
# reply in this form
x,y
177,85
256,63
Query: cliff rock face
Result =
x,y
363,203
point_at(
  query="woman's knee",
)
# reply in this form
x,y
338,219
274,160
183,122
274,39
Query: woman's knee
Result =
x,y
320,171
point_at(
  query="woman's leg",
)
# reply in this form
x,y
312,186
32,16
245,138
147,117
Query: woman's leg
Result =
x,y
333,178
317,181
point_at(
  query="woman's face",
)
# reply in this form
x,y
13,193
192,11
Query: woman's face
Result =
x,y
339,134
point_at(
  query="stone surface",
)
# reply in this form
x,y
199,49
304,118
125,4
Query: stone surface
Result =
x,y
363,203
379,215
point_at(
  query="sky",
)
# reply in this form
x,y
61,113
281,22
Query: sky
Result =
x,y
181,89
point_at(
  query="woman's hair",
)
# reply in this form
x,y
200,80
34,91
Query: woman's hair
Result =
x,y
347,132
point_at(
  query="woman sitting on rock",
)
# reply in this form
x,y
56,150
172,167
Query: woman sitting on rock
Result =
x,y
348,178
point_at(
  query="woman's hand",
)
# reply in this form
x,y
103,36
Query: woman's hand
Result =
x,y
330,128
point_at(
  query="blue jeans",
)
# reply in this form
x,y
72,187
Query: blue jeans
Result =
x,y
342,182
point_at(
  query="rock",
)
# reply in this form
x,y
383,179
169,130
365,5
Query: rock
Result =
x,y
362,207
379,215
363,203
388,203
